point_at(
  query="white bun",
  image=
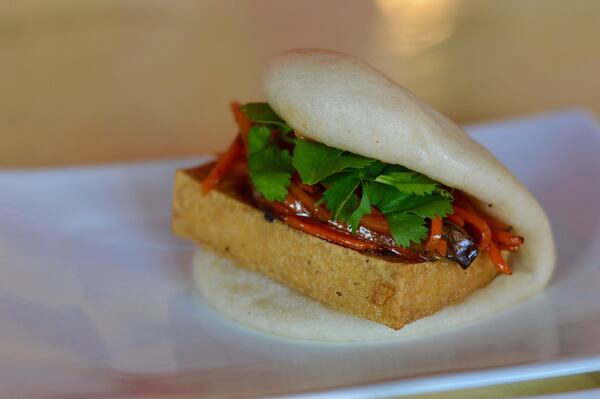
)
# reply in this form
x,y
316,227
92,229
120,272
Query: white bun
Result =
x,y
343,102
340,101
254,300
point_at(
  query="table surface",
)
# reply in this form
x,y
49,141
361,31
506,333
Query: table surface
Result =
x,y
109,81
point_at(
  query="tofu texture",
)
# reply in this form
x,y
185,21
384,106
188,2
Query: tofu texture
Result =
x,y
367,286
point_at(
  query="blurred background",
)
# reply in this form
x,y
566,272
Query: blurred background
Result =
x,y
96,81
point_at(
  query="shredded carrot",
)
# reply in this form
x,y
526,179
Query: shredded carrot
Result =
x,y
244,124
461,200
494,233
498,260
308,189
442,247
504,247
223,165
377,223
309,203
503,237
323,231
239,168
376,212
435,235
474,220
456,220
496,224
279,208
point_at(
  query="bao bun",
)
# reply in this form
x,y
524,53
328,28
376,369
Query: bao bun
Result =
x,y
345,103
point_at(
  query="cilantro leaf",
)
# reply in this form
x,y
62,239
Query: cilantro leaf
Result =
x,y
270,172
380,194
269,166
262,113
444,193
406,198
373,170
408,182
340,196
423,206
406,228
348,208
259,138
315,161
364,208
406,213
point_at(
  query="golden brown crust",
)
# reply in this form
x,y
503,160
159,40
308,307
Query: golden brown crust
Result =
x,y
390,293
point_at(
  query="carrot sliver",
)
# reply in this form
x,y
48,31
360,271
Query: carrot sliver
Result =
x,y
378,224
503,237
307,188
498,260
244,124
473,219
497,225
309,203
512,248
223,165
435,234
462,201
323,231
456,220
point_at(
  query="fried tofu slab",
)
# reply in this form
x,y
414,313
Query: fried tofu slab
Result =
x,y
368,286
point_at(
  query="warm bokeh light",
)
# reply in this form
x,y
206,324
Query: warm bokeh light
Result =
x,y
411,26
111,80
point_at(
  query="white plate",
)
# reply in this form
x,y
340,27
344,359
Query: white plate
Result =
x,y
587,394
96,296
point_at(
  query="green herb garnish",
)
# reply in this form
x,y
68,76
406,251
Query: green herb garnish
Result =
x,y
354,183
315,161
261,113
269,166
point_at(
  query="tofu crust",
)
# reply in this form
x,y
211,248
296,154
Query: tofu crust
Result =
x,y
367,286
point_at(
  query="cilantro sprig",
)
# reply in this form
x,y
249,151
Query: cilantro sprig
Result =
x,y
315,161
354,183
269,166
261,113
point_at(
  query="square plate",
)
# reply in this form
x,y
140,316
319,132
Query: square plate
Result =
x,y
96,296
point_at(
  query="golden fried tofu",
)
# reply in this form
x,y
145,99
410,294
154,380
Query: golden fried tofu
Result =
x,y
368,286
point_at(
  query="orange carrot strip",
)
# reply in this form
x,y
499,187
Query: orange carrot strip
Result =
x,y
456,220
309,203
282,208
477,222
496,224
498,260
323,231
244,124
242,121
377,223
503,237
461,200
435,235
307,188
239,168
376,212
224,163
504,247
442,247
494,236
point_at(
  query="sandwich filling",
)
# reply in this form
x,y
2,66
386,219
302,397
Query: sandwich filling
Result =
x,y
354,201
